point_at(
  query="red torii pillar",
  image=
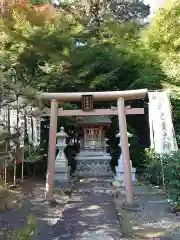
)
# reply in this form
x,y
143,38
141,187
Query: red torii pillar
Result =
x,y
125,150
51,151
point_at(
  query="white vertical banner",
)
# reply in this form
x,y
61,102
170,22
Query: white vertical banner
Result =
x,y
36,129
29,123
3,116
162,134
13,121
38,121
21,126
151,127
3,119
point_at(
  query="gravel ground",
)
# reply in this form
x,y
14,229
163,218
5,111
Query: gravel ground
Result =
x,y
155,219
44,215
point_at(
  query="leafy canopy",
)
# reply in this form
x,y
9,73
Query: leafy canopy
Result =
x,y
163,38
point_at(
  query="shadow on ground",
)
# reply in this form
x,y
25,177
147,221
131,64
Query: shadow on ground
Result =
x,y
154,220
83,217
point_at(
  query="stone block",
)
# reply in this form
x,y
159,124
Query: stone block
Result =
x,y
62,174
93,164
120,171
61,163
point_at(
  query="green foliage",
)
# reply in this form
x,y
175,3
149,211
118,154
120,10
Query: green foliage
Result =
x,y
35,53
44,55
33,154
154,167
96,11
162,38
175,101
13,81
129,10
36,2
163,34
42,52
165,169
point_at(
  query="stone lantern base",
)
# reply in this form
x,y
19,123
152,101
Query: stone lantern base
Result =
x,y
120,172
62,173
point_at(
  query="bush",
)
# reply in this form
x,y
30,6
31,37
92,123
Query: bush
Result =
x,y
164,169
7,199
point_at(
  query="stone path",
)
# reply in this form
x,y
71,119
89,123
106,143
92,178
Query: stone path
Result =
x,y
90,214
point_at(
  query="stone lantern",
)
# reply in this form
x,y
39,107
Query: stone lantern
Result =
x,y
62,170
120,168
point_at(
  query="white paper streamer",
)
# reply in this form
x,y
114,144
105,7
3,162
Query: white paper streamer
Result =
x,y
24,118
3,117
151,127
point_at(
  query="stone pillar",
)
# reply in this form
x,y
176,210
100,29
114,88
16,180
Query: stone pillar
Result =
x,y
62,170
51,151
105,144
125,150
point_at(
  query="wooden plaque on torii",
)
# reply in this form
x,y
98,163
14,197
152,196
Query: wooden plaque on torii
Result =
x,y
87,103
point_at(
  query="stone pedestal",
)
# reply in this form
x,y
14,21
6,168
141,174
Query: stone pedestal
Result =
x,y
120,171
93,164
120,168
62,170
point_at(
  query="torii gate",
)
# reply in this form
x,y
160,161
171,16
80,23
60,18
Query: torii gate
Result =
x,y
121,111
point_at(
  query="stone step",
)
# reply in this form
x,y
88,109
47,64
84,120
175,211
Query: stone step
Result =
x,y
109,191
61,164
89,153
84,158
87,174
62,169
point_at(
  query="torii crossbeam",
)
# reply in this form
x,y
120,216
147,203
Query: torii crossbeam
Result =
x,y
95,112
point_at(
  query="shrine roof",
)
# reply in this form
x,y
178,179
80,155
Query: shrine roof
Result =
x,y
95,120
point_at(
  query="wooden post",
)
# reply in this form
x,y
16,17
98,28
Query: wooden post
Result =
x,y
14,177
22,166
125,150
51,151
